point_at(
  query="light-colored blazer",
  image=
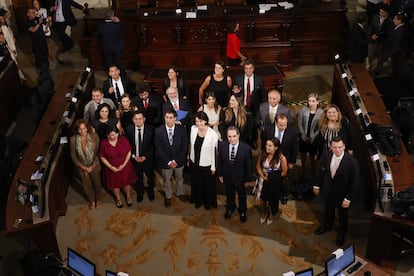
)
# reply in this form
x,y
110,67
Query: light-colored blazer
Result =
x,y
303,119
89,111
208,149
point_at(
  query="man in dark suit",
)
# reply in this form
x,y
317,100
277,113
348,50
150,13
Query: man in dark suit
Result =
x,y
340,179
250,87
116,86
357,48
180,105
289,140
141,137
234,170
111,33
379,31
171,142
151,104
268,112
63,17
398,45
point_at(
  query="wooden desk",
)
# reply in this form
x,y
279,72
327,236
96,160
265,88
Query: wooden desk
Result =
x,y
310,33
11,95
380,247
41,230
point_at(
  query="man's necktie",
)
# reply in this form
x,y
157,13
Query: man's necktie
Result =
x,y
146,104
139,142
118,94
232,154
248,93
335,166
170,136
279,135
272,115
176,106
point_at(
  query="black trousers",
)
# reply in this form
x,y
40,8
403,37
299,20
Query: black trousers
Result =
x,y
203,187
66,40
330,206
231,187
146,167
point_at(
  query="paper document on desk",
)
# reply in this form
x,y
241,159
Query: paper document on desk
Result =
x,y
286,5
181,114
202,7
190,15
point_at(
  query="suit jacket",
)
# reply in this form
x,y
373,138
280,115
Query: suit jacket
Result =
x,y
165,152
147,147
68,13
128,84
184,105
111,35
239,171
383,31
153,114
208,148
257,96
357,44
303,120
399,42
89,110
290,142
263,117
345,181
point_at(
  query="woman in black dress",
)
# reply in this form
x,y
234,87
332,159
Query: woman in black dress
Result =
x,y
219,83
125,112
104,120
271,167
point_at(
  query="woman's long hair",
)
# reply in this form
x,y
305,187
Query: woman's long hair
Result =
x,y
323,121
276,157
241,114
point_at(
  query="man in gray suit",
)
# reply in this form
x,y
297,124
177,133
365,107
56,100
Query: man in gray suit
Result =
x,y
265,118
92,105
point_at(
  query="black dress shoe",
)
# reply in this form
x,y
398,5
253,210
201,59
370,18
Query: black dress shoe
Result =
x,y
167,202
243,217
228,214
151,196
183,198
140,197
321,230
340,240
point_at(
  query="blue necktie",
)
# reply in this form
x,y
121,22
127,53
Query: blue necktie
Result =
x,y
170,136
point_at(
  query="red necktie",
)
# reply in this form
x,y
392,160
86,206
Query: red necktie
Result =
x,y
248,93
175,106
146,104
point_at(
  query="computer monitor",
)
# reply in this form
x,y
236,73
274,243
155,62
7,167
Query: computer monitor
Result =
x,y
80,264
306,272
334,266
109,273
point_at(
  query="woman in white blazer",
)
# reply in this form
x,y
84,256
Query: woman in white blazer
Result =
x,y
202,157
308,123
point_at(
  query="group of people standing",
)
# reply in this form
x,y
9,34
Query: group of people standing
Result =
x,y
139,130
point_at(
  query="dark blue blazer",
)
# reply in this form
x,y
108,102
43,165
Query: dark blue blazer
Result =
x,y
67,11
153,113
345,181
239,171
164,152
147,148
128,84
111,35
290,142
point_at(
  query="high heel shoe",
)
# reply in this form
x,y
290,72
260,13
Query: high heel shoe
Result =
x,y
262,219
119,203
129,202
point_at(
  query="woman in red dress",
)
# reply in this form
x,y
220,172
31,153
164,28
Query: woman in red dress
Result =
x,y
115,154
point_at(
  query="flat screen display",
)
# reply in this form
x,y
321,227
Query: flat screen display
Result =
x,y
334,266
109,273
306,272
80,264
